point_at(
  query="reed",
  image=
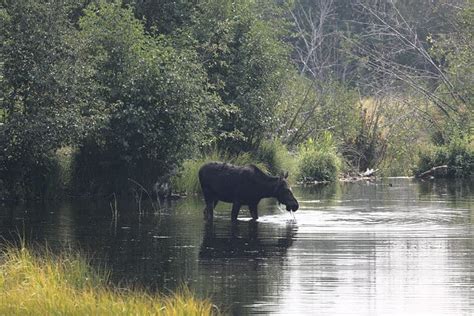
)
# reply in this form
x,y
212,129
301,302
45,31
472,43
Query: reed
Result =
x,y
47,284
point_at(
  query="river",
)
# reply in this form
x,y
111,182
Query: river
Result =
x,y
390,247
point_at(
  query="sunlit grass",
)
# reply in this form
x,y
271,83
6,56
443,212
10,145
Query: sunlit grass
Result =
x,y
47,284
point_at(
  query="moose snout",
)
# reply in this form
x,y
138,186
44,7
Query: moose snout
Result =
x,y
292,207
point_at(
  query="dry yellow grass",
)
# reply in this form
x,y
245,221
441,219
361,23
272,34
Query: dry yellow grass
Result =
x,y
45,284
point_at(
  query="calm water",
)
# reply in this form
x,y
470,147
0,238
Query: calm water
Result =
x,y
396,247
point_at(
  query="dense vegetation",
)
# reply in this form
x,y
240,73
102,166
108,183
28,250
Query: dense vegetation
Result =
x,y
97,96
44,284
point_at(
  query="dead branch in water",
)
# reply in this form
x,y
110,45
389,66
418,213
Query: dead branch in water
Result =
x,y
435,171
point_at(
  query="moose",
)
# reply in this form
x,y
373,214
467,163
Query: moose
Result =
x,y
242,186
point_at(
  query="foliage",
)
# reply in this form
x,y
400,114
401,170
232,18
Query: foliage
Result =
x,y
240,44
401,130
458,156
318,160
368,146
163,16
386,49
37,100
32,284
306,113
153,99
132,88
454,52
277,158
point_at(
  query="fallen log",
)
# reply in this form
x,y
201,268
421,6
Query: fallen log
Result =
x,y
433,172
369,173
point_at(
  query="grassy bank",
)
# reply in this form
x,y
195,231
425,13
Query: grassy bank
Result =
x,y
32,284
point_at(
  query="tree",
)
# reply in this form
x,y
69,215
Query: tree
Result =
x,y
39,105
455,49
152,97
241,46
164,16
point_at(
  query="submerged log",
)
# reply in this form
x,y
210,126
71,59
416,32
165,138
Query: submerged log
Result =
x,y
434,172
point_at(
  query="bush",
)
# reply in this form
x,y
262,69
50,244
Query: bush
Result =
x,y
319,166
318,160
458,155
152,99
276,157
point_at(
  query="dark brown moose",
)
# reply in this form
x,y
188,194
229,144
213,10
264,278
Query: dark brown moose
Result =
x,y
242,186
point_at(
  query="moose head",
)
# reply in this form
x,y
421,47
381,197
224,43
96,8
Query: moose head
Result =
x,y
284,194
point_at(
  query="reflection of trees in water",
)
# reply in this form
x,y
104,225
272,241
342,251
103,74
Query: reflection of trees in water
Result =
x,y
242,263
156,251
453,189
37,222
330,192
456,192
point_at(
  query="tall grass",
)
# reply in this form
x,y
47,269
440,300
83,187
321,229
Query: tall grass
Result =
x,y
277,158
34,284
318,159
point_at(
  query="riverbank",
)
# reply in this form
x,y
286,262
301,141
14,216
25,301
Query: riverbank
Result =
x,y
47,284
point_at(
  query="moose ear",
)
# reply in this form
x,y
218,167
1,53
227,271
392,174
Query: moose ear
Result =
x,y
285,175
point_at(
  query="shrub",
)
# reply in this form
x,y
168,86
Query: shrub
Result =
x,y
276,157
319,166
458,155
27,171
318,160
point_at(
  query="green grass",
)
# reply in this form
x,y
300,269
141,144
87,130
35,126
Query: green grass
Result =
x,y
47,284
318,160
276,156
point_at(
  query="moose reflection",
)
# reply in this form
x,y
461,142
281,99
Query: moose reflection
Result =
x,y
242,186
248,241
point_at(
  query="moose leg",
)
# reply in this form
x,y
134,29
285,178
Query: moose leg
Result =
x,y
235,211
209,211
253,211
210,203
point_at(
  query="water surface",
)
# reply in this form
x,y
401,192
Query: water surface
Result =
x,y
393,247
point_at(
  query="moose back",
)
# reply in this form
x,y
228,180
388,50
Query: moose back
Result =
x,y
242,186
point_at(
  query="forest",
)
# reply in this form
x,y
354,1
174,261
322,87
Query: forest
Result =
x,y
111,97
